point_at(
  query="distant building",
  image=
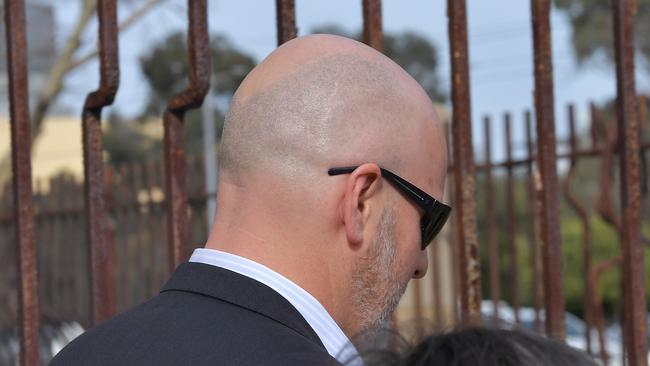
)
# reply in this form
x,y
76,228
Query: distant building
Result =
x,y
58,148
41,51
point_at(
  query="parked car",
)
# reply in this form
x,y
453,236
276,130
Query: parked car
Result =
x,y
506,315
575,332
575,329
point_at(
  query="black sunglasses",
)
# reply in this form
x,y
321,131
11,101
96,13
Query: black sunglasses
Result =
x,y
435,212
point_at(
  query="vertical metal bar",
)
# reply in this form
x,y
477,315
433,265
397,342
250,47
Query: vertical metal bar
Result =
x,y
111,224
605,201
22,180
583,215
57,240
141,260
605,206
191,97
150,248
130,229
628,132
286,20
126,272
532,222
465,198
546,161
491,226
162,254
512,222
81,303
597,303
372,27
102,255
70,221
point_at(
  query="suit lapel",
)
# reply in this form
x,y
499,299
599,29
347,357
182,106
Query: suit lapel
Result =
x,y
240,290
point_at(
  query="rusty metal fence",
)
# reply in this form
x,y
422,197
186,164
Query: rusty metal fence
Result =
x,y
135,222
123,212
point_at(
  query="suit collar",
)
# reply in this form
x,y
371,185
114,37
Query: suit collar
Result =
x,y
239,290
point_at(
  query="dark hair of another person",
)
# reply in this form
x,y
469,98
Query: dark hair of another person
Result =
x,y
480,346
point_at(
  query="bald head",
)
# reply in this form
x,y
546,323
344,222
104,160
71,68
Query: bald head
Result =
x,y
316,103
319,101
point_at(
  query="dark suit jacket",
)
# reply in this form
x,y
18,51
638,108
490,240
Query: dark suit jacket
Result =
x,y
204,315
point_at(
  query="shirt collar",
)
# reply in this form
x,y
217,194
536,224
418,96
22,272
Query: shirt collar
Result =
x,y
335,341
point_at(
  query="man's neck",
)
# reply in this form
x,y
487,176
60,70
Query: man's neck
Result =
x,y
307,269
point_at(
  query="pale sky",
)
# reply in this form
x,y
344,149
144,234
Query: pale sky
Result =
x,y
500,42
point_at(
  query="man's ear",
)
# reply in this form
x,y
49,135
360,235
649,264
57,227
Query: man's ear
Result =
x,y
362,185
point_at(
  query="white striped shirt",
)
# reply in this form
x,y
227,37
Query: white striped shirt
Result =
x,y
335,341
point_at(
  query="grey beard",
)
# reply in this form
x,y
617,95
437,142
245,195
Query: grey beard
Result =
x,y
375,283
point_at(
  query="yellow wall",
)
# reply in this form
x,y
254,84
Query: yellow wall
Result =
x,y
57,149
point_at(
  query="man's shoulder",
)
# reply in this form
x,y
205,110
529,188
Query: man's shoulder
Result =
x,y
177,327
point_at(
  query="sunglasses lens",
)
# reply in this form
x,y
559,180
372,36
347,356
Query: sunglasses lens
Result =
x,y
427,223
431,224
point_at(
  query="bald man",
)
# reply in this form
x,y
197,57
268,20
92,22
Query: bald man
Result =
x,y
331,164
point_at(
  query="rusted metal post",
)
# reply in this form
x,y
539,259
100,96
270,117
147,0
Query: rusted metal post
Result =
x,y
22,180
583,215
605,201
285,11
532,221
491,226
512,222
605,207
191,97
628,132
546,161
141,262
372,28
155,221
465,198
111,233
102,254
597,302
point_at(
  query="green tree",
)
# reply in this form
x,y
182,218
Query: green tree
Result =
x,y
605,244
124,142
165,68
591,21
